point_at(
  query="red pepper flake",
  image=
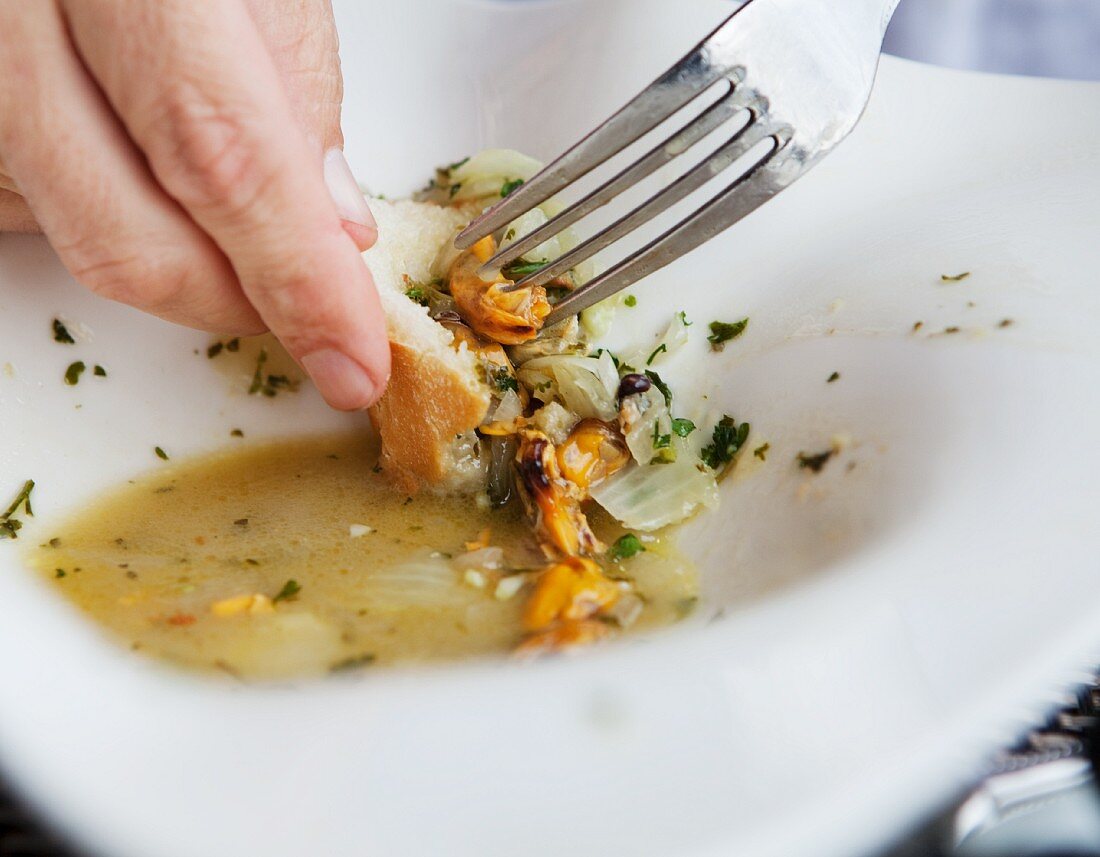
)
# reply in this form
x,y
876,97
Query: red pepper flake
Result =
x,y
181,619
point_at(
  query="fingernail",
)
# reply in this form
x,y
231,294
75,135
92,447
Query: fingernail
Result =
x,y
345,192
342,381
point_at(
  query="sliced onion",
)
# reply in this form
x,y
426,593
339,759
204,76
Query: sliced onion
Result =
x,y
587,386
650,496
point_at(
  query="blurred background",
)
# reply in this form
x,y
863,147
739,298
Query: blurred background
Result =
x,y
1053,38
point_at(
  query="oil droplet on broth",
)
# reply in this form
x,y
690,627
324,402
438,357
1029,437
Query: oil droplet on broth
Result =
x,y
192,563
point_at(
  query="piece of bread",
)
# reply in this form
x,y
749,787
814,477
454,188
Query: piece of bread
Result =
x,y
436,396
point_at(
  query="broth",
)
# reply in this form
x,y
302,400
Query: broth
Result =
x,y
188,563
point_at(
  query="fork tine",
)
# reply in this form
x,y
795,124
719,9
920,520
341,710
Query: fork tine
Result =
x,y
724,157
687,79
717,114
743,197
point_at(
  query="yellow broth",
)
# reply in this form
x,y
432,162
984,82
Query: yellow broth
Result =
x,y
151,560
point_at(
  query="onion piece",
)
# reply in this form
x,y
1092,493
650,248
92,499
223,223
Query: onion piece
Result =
x,y
587,386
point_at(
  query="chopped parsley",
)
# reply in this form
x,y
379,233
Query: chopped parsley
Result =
x,y
73,373
952,329
290,590
99,371
728,437
454,189
660,441
954,278
509,186
684,319
722,332
214,350
452,167
517,270
236,433
630,301
660,385
417,294
503,380
271,384
1005,322
9,524
258,376
834,377
658,350
682,427
61,333
815,462
233,345
59,573
761,451
161,454
353,663
625,547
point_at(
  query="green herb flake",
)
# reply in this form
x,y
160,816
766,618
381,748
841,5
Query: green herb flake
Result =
x,y
954,278
351,664
503,380
9,524
214,350
417,294
727,438
289,591
161,454
658,350
61,333
59,573
952,329
834,377
657,382
452,167
630,301
682,427
722,332
761,451
99,371
236,433
454,189
1005,322
684,319
625,547
516,271
509,186
660,441
814,462
258,375
233,345
73,373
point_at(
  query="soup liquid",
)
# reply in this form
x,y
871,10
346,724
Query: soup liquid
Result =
x,y
366,576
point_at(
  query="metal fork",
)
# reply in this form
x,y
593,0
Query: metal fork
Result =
x,y
801,69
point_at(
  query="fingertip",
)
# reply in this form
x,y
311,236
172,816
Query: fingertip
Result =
x,y
343,382
364,237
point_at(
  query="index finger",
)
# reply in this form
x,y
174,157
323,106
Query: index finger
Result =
x,y
217,128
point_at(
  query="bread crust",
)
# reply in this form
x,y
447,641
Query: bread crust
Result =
x,y
425,407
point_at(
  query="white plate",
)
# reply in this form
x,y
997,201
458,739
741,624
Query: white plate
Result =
x,y
883,627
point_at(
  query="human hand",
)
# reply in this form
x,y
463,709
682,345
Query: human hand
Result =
x,y
183,157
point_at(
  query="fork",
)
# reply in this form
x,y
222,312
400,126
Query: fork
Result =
x,y
802,71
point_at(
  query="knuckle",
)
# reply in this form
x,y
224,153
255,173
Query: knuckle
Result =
x,y
204,152
132,279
